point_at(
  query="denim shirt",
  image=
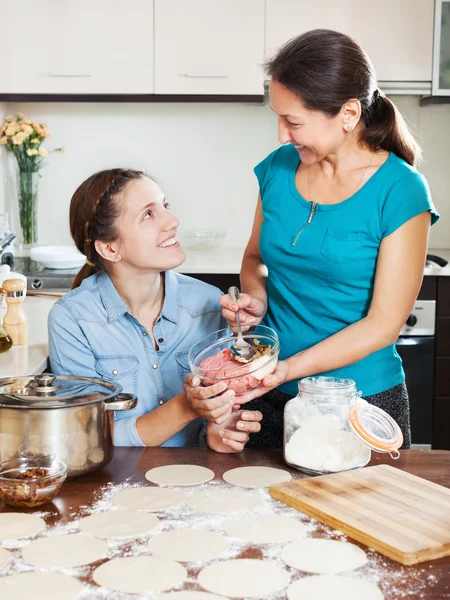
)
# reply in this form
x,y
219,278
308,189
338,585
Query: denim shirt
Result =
x,y
93,334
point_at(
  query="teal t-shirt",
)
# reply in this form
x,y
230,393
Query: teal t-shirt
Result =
x,y
325,281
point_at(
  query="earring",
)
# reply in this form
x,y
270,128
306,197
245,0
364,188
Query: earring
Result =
x,y
349,128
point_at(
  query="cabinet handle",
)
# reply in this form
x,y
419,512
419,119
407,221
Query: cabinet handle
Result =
x,y
67,74
205,75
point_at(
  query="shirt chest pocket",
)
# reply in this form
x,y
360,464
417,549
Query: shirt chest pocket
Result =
x,y
120,368
341,247
183,364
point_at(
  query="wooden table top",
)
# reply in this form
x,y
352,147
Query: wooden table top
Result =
x,y
130,464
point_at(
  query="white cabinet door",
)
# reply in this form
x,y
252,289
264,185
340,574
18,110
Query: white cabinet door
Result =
x,y
209,46
76,47
396,34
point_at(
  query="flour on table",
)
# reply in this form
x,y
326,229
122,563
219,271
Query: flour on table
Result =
x,y
39,586
189,595
187,545
323,556
179,475
14,526
66,550
244,578
256,477
140,574
119,524
222,501
4,558
324,587
148,498
266,529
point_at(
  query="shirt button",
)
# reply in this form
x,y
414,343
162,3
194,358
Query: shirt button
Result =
x,y
115,372
160,340
144,333
154,366
161,401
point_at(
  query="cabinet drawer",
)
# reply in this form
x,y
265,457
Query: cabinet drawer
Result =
x,y
428,290
442,378
441,430
443,337
443,297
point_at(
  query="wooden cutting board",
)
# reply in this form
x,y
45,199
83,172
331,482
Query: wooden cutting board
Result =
x,y
402,516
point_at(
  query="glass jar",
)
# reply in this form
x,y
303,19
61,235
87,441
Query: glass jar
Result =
x,y
328,427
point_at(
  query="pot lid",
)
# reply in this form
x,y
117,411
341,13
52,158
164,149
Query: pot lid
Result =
x,y
54,391
376,428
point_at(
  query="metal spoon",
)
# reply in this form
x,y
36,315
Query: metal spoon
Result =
x,y
240,348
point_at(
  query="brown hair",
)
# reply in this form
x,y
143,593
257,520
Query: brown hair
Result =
x,y
94,213
326,69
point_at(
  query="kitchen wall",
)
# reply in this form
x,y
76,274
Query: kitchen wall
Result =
x,y
201,154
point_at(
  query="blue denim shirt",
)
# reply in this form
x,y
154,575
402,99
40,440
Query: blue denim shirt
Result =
x,y
93,334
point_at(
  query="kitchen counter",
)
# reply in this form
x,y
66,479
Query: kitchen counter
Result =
x,y
228,261
430,580
31,358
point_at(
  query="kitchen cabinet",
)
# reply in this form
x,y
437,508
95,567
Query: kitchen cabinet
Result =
x,y
398,36
205,47
441,433
82,47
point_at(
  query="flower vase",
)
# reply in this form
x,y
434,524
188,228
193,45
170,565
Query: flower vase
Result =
x,y
27,192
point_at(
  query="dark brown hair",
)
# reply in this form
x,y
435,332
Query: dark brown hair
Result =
x,y
326,69
94,213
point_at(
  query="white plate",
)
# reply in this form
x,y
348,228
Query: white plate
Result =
x,y
57,257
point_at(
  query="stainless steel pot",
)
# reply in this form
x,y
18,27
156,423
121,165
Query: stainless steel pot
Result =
x,y
69,417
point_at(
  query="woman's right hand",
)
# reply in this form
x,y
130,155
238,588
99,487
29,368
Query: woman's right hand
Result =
x,y
251,310
213,402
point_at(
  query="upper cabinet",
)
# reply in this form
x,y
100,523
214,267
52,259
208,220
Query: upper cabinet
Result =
x,y
209,47
76,47
396,34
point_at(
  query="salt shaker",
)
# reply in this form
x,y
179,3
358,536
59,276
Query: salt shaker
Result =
x,y
15,321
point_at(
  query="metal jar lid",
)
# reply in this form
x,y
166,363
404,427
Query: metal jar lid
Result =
x,y
54,391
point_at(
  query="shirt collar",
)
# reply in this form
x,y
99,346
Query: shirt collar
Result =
x,y
115,307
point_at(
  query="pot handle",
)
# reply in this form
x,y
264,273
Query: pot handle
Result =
x,y
121,402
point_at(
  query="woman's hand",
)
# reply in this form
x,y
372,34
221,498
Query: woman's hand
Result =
x,y
211,402
234,433
279,376
251,310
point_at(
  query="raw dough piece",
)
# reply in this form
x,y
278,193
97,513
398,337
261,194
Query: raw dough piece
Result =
x,y
65,550
265,529
323,556
19,525
191,595
222,501
119,524
256,477
148,498
186,545
4,558
179,475
323,587
244,578
139,574
39,586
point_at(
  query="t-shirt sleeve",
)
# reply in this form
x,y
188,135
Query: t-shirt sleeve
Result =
x,y
268,167
409,196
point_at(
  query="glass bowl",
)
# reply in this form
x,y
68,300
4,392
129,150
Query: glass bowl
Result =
x,y
211,359
204,239
30,482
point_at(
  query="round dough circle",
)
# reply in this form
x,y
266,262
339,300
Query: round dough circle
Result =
x,y
266,529
343,588
256,477
119,524
188,545
139,574
179,475
243,578
323,556
222,501
191,595
148,498
36,585
4,558
19,525
65,550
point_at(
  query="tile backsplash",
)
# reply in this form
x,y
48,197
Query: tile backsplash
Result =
x,y
202,155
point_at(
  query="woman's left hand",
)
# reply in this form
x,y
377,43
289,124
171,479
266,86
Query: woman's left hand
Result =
x,y
234,433
279,376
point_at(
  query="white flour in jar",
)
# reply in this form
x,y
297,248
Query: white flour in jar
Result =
x,y
321,444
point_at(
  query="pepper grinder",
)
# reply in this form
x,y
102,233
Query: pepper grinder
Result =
x,y
14,321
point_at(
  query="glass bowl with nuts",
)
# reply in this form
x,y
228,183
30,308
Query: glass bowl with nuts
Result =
x,y
31,482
